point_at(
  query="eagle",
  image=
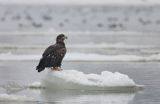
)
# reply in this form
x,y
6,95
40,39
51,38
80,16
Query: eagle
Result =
x,y
53,55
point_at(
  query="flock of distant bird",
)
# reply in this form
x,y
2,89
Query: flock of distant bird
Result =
x,y
97,17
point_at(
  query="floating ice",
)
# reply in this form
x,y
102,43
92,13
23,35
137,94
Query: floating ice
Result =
x,y
36,85
82,57
7,97
72,79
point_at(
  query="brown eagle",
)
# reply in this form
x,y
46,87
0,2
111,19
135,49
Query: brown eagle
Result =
x,y
53,55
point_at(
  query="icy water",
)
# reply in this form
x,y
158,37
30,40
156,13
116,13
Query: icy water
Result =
x,y
24,73
136,56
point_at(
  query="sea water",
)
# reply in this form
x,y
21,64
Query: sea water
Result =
x,y
23,74
123,51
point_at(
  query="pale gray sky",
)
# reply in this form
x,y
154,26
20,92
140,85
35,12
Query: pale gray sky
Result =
x,y
82,1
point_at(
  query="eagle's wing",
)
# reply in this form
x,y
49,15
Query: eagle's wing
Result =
x,y
42,63
49,50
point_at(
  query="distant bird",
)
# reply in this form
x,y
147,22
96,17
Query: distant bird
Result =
x,y
53,55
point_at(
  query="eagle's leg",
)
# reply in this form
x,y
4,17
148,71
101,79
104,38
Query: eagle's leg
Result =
x,y
56,68
53,68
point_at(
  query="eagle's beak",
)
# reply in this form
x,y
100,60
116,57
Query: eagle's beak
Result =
x,y
65,37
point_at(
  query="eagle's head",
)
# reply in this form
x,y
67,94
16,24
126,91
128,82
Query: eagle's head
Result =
x,y
60,38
